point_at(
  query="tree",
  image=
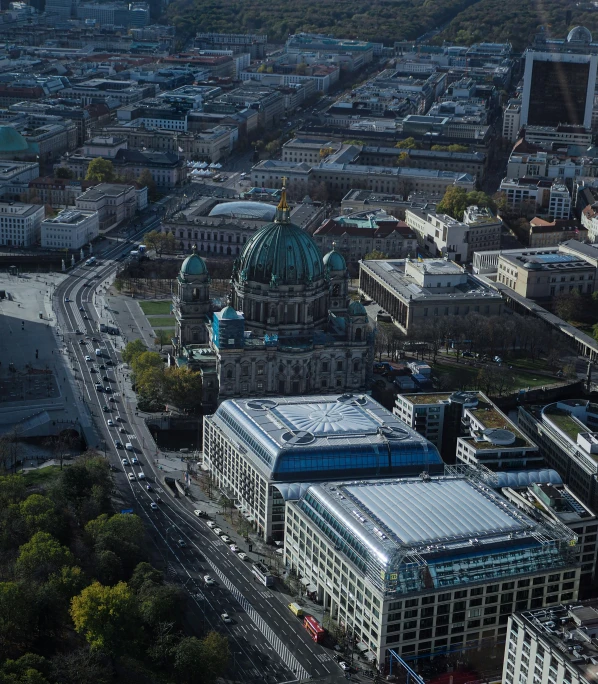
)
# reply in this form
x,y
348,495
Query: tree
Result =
x,y
63,172
375,254
81,667
106,616
122,534
143,574
145,361
100,170
457,199
162,337
41,556
147,180
38,514
158,604
568,305
15,619
408,144
28,669
212,652
183,388
132,350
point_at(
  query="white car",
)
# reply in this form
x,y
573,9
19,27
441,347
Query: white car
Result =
x,y
198,512
131,476
242,555
344,666
154,506
234,548
226,618
216,530
135,460
125,461
209,581
110,423
226,539
88,358
211,524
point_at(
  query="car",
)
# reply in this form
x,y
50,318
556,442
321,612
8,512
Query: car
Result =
x,y
81,308
125,461
67,300
107,389
88,358
78,332
226,618
112,399
182,543
118,444
106,378
120,419
467,354
242,555
148,487
154,506
94,339
122,431
83,342
102,367
208,580
135,460
211,524
85,317
344,666
109,363
98,387
233,547
110,422
337,656
217,530
131,477
198,512
92,370
497,359
226,539
105,409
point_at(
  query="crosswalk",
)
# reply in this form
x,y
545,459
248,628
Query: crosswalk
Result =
x,y
286,656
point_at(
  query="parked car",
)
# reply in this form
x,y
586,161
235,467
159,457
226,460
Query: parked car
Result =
x,y
242,555
211,524
234,548
226,539
344,666
217,530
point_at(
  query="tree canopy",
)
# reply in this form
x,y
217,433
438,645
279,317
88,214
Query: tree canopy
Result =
x,y
456,200
101,170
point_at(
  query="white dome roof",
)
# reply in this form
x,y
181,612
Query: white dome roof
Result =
x,y
246,210
579,34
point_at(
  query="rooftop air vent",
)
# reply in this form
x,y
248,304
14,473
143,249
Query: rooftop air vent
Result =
x,y
261,404
298,438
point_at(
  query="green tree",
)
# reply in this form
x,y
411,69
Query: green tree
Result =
x,y
100,170
146,361
183,388
216,655
145,574
81,667
122,534
162,337
456,200
147,180
132,350
12,489
375,254
41,556
63,172
568,306
15,619
106,617
39,514
212,652
28,669
160,604
408,144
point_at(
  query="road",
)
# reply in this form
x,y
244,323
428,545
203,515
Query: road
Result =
x,y
266,639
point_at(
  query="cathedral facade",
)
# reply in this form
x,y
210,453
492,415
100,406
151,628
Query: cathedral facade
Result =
x,y
289,328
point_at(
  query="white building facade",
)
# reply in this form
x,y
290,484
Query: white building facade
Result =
x,y
70,229
20,224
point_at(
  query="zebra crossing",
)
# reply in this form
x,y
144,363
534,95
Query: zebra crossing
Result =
x,y
286,656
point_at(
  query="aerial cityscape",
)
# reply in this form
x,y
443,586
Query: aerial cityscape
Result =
x,y
298,342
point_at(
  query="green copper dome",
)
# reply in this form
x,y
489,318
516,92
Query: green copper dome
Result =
x,y
11,140
280,253
357,309
335,261
229,313
194,265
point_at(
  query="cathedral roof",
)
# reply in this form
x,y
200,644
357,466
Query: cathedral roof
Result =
x,y
280,253
356,309
194,265
334,260
229,313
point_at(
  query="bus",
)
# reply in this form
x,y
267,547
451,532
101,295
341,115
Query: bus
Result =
x,y
314,629
262,572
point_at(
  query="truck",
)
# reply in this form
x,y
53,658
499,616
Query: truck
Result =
x,y
296,609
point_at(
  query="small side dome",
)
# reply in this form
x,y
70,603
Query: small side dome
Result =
x,y
579,34
532,265
11,140
194,265
356,309
229,313
334,261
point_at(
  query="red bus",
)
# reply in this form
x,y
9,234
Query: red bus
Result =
x,y
314,628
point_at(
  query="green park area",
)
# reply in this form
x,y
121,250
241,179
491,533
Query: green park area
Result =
x,y
161,321
156,308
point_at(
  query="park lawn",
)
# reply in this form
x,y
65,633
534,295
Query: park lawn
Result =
x,y
160,321
150,308
466,376
170,331
41,475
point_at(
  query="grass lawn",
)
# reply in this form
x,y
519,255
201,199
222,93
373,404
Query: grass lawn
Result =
x,y
170,331
41,475
150,308
466,376
160,321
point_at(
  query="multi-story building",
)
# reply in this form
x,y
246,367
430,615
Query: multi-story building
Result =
x,y
547,136
546,274
112,203
356,235
511,124
559,204
485,229
70,229
361,51
365,200
424,566
115,13
417,292
566,432
559,80
549,197
439,235
258,450
553,645
544,233
20,224
56,192
268,103
253,43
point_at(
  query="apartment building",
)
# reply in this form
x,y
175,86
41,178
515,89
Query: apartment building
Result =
x,y
543,233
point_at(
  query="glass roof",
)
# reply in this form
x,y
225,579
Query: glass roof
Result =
x,y
246,210
326,418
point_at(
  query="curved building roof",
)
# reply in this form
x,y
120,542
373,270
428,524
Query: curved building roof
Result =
x,y
579,34
356,309
321,437
525,478
335,261
194,265
280,253
246,210
11,140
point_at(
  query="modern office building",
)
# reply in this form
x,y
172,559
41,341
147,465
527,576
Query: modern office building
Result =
x,y
511,124
20,224
553,646
439,235
559,80
258,450
567,433
424,565
414,292
70,229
